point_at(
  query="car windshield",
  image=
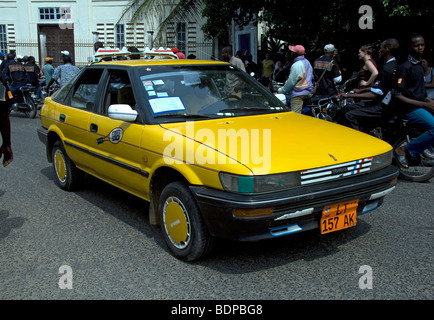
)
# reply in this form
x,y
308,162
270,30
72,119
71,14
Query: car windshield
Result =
x,y
205,91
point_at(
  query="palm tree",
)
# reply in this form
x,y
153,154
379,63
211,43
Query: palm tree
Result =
x,y
159,13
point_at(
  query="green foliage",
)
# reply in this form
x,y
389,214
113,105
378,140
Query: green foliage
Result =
x,y
311,23
315,23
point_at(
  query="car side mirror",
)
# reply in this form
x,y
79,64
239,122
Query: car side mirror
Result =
x,y
122,112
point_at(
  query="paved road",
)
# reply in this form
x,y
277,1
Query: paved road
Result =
x,y
104,238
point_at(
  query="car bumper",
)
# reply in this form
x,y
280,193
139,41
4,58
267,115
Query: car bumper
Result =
x,y
294,210
42,134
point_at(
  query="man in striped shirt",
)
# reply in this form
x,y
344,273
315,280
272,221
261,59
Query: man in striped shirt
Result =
x,y
299,84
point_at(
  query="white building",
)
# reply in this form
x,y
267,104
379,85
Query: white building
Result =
x,y
45,28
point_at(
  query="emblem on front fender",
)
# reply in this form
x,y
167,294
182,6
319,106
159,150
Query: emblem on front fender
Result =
x,y
115,136
331,156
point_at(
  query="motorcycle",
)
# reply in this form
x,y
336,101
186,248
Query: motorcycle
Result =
x,y
23,101
329,108
398,131
325,108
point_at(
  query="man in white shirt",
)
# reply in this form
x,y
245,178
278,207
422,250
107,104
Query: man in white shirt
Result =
x,y
234,82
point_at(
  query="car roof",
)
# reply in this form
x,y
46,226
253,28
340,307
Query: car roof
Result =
x,y
153,62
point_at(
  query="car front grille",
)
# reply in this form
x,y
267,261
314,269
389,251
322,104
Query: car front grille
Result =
x,y
334,172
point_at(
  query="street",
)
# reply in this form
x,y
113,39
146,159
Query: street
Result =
x,y
97,243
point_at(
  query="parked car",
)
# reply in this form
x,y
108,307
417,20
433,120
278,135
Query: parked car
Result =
x,y
213,151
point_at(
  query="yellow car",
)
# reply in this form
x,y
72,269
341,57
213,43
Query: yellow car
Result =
x,y
213,151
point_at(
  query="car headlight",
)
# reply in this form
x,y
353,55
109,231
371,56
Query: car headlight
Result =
x,y
259,184
381,161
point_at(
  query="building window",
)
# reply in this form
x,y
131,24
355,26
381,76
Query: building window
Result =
x,y
3,39
181,36
54,14
120,36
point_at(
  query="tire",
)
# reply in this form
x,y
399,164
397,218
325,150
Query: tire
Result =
x,y
420,169
32,104
66,174
183,228
33,110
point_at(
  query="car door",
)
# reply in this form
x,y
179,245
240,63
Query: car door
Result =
x,y
74,105
115,150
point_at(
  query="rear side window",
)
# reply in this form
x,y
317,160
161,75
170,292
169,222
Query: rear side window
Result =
x,y
85,88
119,90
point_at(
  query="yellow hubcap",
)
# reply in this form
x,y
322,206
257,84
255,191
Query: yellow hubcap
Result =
x,y
176,222
59,163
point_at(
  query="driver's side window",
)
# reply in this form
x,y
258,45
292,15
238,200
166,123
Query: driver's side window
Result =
x,y
84,93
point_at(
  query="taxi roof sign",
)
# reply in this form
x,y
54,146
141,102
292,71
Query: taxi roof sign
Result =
x,y
160,53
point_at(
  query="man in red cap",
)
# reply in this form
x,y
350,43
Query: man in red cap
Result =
x,y
299,84
178,53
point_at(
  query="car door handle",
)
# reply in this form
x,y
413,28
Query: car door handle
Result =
x,y
93,127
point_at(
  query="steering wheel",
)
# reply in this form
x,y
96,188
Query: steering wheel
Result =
x,y
231,96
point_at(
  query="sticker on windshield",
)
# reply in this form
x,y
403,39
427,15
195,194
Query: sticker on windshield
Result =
x,y
158,82
192,79
167,104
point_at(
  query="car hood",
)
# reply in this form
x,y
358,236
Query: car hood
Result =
x,y
275,143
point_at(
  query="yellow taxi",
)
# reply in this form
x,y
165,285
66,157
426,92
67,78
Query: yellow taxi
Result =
x,y
213,151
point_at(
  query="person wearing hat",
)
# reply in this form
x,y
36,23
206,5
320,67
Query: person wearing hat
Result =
x,y
178,53
48,69
299,84
19,58
63,73
327,72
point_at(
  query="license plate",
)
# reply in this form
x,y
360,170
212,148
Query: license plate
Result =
x,y
339,216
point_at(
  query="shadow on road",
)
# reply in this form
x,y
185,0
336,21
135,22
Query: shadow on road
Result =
x,y
230,257
7,223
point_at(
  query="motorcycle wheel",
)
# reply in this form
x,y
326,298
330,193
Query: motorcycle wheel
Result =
x,y
33,109
420,169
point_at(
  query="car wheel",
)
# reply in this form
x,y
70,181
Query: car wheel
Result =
x,y
66,174
182,225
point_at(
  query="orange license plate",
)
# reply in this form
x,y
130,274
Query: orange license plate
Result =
x,y
339,216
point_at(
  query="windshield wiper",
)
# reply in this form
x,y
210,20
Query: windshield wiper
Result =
x,y
248,110
184,116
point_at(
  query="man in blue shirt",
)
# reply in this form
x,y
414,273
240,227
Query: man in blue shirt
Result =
x,y
63,73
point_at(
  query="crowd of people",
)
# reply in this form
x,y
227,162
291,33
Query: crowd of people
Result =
x,y
403,88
